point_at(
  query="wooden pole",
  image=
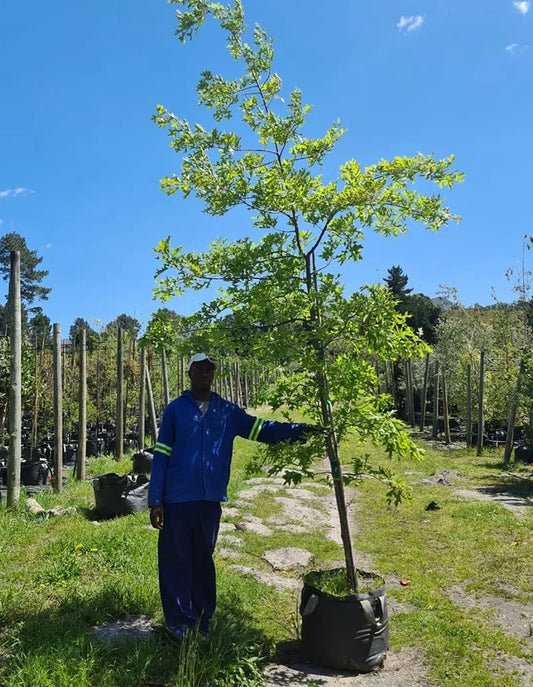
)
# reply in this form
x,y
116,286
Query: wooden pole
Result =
x,y
469,405
151,406
480,416
57,481
37,379
119,438
82,409
14,456
142,400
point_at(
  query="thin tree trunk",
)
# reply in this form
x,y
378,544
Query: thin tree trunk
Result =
x,y
238,390
82,409
14,457
332,449
182,384
332,452
508,453
229,383
445,411
58,412
469,405
480,416
435,426
164,372
423,400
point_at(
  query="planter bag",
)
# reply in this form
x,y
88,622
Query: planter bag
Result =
x,y
524,454
137,498
142,462
33,472
346,633
118,495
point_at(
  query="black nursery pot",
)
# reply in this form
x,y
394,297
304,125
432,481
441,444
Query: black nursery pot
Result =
x,y
345,632
31,472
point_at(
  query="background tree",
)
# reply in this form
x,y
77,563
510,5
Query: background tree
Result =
x,y
289,303
396,281
423,315
92,336
30,277
40,329
127,323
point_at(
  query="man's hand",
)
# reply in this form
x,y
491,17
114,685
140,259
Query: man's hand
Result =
x,y
157,517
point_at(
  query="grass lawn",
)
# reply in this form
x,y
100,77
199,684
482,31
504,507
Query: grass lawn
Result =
x,y
60,577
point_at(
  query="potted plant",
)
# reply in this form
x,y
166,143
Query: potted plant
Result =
x,y
282,300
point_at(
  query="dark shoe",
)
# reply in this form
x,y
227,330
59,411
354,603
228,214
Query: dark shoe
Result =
x,y
174,634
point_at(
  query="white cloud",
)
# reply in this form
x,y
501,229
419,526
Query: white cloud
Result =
x,y
13,192
410,23
517,49
522,6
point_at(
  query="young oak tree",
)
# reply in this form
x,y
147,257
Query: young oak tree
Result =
x,y
283,286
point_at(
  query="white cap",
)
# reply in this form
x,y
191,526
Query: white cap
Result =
x,y
199,357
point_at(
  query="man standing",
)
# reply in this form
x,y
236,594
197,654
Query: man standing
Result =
x,y
190,474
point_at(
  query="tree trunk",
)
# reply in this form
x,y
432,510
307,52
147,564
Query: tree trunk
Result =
x,y
423,400
435,426
15,384
82,409
164,372
508,453
58,412
445,410
328,422
332,451
469,405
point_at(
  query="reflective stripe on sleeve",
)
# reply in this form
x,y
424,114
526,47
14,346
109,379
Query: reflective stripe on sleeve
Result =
x,y
163,448
256,429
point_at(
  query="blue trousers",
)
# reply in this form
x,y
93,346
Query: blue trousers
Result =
x,y
187,580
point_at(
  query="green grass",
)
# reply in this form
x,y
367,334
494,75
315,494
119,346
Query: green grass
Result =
x,y
61,576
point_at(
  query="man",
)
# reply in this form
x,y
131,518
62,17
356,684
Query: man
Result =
x,y
190,474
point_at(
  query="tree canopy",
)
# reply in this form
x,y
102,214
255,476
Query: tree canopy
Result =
x,y
31,288
282,284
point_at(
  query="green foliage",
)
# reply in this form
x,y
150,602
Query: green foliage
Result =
x,y
504,334
162,330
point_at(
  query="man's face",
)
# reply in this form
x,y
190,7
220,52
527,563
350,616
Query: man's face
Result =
x,y
201,375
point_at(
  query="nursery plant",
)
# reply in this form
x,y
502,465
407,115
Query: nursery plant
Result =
x,y
280,290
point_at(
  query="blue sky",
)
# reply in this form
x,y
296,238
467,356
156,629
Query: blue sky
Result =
x,y
81,160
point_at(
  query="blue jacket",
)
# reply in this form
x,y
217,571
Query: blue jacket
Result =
x,y
192,456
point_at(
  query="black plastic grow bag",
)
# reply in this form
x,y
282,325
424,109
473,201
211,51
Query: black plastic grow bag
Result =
x,y
118,495
349,632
